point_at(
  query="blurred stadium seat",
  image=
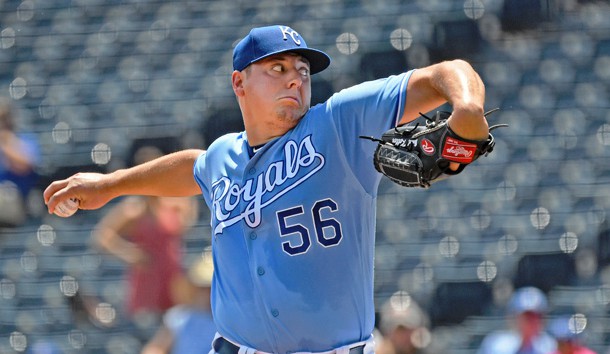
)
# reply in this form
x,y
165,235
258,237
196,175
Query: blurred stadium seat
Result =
x,y
455,39
603,245
453,302
545,271
518,15
378,64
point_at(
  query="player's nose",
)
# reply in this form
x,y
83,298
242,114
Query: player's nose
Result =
x,y
295,79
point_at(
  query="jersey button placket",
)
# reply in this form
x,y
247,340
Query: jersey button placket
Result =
x,y
275,313
260,271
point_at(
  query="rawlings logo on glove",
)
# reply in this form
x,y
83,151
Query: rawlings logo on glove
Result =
x,y
459,151
415,155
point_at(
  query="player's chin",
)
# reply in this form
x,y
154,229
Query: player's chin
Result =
x,y
291,115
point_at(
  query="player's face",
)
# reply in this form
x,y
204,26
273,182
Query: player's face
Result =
x,y
278,89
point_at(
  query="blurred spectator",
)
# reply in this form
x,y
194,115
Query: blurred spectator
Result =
x,y
403,326
44,347
146,233
526,335
19,155
567,331
188,328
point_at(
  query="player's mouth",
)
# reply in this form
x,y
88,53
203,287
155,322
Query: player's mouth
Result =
x,y
291,98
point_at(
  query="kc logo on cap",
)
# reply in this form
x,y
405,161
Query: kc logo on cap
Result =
x,y
292,33
263,42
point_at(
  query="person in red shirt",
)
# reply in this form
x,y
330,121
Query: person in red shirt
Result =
x,y
146,233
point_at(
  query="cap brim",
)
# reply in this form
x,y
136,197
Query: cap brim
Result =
x,y
318,60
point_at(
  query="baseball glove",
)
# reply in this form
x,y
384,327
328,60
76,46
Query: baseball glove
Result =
x,y
416,155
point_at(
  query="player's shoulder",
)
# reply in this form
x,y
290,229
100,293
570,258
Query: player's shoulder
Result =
x,y
368,94
226,141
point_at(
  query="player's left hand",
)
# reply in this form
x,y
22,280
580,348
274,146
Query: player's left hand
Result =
x,y
417,155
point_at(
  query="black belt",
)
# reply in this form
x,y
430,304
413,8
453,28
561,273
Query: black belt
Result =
x,y
223,346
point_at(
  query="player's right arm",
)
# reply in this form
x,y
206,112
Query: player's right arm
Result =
x,y
167,176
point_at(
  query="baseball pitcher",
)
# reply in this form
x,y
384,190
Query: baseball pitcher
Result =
x,y
293,197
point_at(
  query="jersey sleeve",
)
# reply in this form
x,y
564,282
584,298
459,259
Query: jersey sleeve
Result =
x,y
367,109
221,156
370,108
199,173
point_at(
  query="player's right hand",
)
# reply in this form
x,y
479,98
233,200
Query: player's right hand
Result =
x,y
88,188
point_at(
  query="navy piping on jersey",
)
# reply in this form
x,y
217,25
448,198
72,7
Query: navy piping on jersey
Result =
x,y
253,149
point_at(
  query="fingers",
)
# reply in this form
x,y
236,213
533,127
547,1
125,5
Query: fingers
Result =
x,y
453,166
87,188
62,191
55,193
52,188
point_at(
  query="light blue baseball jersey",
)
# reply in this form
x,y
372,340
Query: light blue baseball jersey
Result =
x,y
293,225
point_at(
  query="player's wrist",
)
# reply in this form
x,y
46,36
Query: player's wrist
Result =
x,y
115,184
469,123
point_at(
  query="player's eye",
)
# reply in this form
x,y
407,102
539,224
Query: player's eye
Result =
x,y
304,72
277,67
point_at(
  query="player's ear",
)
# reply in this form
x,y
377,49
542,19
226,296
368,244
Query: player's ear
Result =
x,y
237,82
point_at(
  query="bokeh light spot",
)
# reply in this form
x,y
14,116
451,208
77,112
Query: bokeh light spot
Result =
x,y
540,218
347,43
449,246
401,39
61,133
487,271
7,38
568,242
101,154
68,285
46,235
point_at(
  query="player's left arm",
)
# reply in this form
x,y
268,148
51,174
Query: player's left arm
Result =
x,y
454,82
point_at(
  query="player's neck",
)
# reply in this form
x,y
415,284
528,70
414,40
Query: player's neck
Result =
x,y
255,139
262,128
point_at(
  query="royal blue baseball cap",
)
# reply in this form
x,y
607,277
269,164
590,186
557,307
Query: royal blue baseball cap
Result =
x,y
263,42
561,329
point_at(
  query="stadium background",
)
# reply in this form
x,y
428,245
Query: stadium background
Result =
x,y
95,78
